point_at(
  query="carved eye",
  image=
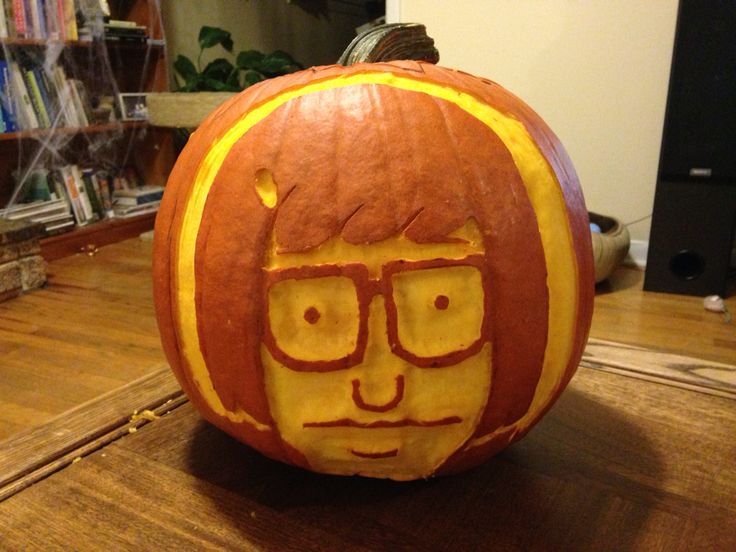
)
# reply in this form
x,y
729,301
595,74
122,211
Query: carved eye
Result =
x,y
441,302
438,310
311,315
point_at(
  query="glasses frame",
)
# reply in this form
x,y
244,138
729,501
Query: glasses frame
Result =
x,y
366,289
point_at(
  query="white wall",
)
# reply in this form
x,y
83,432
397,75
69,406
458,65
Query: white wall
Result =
x,y
596,70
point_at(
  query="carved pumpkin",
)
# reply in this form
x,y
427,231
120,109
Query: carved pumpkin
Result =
x,y
382,270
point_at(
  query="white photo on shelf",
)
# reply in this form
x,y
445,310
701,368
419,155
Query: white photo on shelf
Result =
x,y
133,106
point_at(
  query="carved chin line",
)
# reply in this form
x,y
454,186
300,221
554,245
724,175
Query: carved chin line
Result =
x,y
375,455
405,422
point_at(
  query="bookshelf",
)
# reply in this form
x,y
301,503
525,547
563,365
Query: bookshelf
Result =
x,y
106,66
92,129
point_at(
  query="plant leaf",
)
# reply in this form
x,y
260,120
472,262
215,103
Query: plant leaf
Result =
x,y
219,69
185,67
233,81
218,86
249,59
212,36
252,77
278,63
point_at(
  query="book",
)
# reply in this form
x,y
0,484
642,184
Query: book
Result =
x,y
123,38
37,208
70,20
26,115
54,228
74,196
56,184
48,95
41,4
123,211
79,101
85,199
19,19
7,109
53,217
34,19
69,117
53,32
125,31
59,227
53,214
4,31
60,17
138,196
36,99
121,23
104,184
93,192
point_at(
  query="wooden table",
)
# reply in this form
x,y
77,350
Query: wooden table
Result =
x,y
639,453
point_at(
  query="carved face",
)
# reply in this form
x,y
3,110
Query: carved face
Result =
x,y
377,357
382,269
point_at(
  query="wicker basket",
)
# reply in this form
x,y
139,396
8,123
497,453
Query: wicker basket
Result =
x,y
610,245
183,109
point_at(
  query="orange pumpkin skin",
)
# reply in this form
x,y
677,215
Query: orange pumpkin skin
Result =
x,y
335,139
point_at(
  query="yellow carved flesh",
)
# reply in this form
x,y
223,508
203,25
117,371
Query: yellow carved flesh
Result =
x,y
436,410
266,188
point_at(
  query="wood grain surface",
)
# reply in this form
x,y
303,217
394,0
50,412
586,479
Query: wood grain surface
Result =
x,y
705,376
619,463
35,453
90,331
662,321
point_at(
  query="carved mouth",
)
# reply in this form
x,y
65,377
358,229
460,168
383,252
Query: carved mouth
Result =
x,y
375,455
348,422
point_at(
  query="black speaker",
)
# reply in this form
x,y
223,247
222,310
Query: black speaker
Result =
x,y
694,214
692,238
699,139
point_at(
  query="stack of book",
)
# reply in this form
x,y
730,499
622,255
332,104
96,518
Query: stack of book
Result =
x,y
33,96
40,202
68,196
137,201
125,31
54,214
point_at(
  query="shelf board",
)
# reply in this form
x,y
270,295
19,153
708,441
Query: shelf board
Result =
x,y
86,239
156,44
92,129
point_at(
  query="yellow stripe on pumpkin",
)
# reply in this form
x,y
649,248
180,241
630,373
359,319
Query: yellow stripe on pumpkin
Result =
x,y
542,188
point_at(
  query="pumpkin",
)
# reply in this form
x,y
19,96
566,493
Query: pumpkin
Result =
x,y
382,269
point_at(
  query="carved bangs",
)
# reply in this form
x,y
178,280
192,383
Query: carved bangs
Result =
x,y
412,164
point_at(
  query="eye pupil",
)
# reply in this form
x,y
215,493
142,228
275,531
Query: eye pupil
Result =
x,y
311,315
441,302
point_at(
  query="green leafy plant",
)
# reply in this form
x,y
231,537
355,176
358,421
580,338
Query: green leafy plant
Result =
x,y
222,75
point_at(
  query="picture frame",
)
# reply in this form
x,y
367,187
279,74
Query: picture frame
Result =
x,y
133,106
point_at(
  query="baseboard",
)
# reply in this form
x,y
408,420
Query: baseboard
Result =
x,y
637,256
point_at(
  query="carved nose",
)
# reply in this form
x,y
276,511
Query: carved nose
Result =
x,y
362,404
